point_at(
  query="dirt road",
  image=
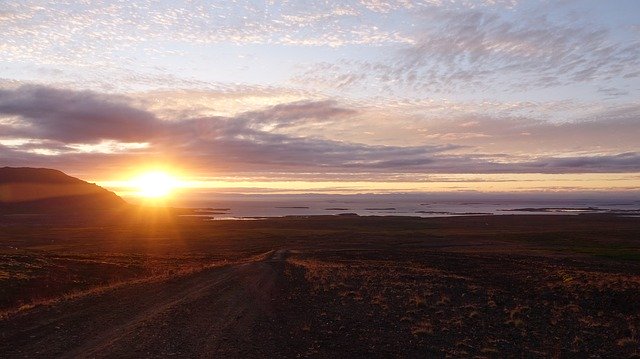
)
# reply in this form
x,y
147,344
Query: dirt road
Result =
x,y
211,313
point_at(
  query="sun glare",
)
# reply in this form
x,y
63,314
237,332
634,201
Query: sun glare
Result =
x,y
155,184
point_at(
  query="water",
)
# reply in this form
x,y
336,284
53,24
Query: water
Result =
x,y
249,207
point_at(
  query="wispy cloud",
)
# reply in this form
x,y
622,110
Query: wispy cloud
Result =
x,y
462,48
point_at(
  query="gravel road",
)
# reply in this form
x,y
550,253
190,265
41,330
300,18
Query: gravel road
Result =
x,y
209,313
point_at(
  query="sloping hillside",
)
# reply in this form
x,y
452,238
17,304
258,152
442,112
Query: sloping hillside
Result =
x,y
36,190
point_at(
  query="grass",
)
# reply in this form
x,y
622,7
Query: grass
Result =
x,y
611,252
464,284
467,302
423,327
98,289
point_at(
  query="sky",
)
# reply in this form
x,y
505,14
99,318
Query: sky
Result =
x,y
313,96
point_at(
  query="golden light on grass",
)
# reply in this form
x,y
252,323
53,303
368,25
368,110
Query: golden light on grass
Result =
x,y
155,184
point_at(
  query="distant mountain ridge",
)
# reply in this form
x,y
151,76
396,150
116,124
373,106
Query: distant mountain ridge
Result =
x,y
35,175
37,190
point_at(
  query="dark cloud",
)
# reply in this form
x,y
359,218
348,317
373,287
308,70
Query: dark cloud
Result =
x,y
54,117
243,144
74,116
234,140
608,163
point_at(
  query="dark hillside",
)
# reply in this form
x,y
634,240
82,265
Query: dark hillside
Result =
x,y
37,190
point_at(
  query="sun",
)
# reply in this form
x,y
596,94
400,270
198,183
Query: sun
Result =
x,y
155,184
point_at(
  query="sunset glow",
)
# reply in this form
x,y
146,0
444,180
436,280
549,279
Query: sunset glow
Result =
x,y
350,96
154,184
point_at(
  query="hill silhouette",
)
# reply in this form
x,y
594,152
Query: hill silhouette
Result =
x,y
38,190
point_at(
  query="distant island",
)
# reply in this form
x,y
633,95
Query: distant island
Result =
x,y
42,190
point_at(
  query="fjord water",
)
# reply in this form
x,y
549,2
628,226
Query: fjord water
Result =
x,y
395,205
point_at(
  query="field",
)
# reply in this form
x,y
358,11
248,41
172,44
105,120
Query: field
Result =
x,y
154,284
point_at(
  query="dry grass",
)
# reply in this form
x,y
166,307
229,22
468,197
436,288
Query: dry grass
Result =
x,y
486,287
423,327
97,290
528,304
417,300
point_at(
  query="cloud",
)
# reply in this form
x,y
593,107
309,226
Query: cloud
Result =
x,y
613,163
463,48
76,128
57,120
612,92
106,33
441,46
284,115
74,116
604,130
